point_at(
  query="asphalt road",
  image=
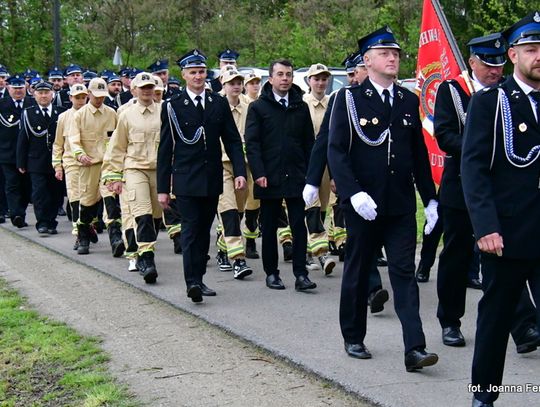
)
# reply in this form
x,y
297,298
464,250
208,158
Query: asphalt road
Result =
x,y
303,327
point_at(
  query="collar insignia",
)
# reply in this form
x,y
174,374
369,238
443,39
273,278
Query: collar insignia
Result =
x,y
369,92
400,94
186,102
209,98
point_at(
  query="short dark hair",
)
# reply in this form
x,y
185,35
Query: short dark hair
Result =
x,y
281,61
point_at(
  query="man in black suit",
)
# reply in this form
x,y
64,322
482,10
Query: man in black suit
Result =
x,y
486,61
279,139
376,154
192,125
500,176
34,155
17,185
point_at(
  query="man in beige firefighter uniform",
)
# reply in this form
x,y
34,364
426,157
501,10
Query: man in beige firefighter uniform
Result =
x,y
89,134
63,161
232,202
129,168
317,100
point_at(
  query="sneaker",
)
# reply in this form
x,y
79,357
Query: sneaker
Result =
x,y
310,263
327,264
223,261
241,269
133,264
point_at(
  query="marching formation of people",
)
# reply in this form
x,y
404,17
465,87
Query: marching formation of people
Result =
x,y
324,175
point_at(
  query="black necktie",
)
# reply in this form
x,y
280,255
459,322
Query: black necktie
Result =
x,y
536,97
46,114
199,106
387,105
283,101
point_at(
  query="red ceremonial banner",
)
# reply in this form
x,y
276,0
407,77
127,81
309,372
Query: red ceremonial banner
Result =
x,y
438,60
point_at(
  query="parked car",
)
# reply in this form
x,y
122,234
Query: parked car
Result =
x,y
409,83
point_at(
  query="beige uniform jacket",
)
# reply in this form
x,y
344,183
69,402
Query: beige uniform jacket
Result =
x,y
317,108
134,143
239,113
90,130
62,156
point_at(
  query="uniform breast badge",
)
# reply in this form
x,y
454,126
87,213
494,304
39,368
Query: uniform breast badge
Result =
x,y
363,121
375,121
522,127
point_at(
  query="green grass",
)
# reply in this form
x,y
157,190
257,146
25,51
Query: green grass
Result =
x,y
46,363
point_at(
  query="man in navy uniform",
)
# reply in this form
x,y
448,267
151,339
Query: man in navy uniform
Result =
x,y
161,68
226,57
72,75
486,61
192,125
376,154
34,155
500,176
114,86
377,295
4,74
17,185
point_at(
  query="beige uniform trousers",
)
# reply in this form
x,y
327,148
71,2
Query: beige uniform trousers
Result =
x,y
318,242
89,180
231,199
128,222
141,194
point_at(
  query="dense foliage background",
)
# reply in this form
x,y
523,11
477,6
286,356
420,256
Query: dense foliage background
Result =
x,y
306,31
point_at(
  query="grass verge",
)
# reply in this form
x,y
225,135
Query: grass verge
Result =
x,y
46,363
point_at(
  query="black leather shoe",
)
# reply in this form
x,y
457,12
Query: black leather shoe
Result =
x,y
529,342
274,282
377,299
206,291
177,244
357,350
478,403
2,219
61,212
422,273
304,283
417,359
287,251
18,221
452,336
52,231
42,230
474,283
194,292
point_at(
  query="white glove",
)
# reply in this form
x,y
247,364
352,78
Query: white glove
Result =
x,y
364,205
310,194
431,216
